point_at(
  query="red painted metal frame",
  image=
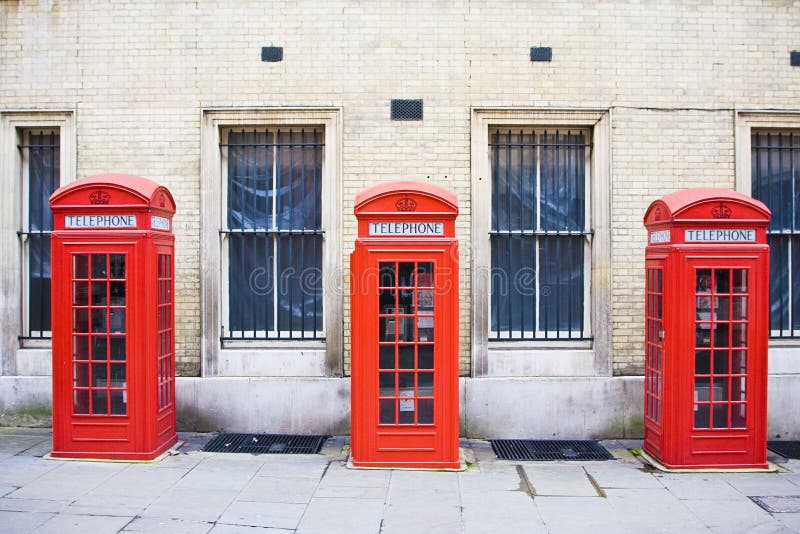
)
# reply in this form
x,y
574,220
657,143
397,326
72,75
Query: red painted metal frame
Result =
x,y
394,443
140,425
689,374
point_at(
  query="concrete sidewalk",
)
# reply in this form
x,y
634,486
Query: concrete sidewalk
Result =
x,y
193,491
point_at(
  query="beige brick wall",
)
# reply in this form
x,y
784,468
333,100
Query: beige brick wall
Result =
x,y
138,73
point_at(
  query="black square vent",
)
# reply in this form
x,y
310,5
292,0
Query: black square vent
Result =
x,y
406,110
794,58
541,53
271,54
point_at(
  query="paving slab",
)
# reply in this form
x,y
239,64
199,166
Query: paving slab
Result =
x,y
238,529
761,484
573,515
157,525
619,475
423,487
20,470
561,480
653,510
791,521
338,474
432,517
128,492
15,441
303,467
227,474
279,489
263,514
82,524
700,486
732,516
69,480
22,521
500,511
180,461
196,504
342,516
351,492
33,505
481,480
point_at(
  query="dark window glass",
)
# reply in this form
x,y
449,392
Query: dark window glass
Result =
x,y
539,234
775,180
274,233
43,177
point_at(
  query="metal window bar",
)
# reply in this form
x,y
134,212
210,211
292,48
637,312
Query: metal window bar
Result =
x,y
775,177
274,234
41,177
539,239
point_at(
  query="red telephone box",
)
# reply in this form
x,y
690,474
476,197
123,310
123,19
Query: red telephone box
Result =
x,y
113,319
706,330
404,327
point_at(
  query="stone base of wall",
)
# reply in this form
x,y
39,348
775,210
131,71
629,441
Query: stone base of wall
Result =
x,y
541,408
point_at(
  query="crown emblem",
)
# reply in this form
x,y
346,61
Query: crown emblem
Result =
x,y
721,212
99,197
657,214
161,200
406,204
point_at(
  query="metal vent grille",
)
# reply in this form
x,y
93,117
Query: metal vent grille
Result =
x,y
541,53
549,450
265,444
406,110
271,54
788,449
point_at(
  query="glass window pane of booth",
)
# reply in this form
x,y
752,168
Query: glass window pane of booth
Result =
x,y
99,326
720,348
405,321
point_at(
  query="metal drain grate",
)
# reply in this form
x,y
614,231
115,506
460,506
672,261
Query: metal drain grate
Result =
x,y
789,449
548,450
265,444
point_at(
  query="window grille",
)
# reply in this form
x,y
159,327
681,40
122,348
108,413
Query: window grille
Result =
x,y
40,178
775,160
540,239
273,235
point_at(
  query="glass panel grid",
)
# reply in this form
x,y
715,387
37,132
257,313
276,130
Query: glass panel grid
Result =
x,y
166,352
406,343
274,234
653,343
775,180
539,235
721,338
99,334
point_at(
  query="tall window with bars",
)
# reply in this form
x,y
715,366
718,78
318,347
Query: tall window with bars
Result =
x,y
540,233
272,234
775,175
41,176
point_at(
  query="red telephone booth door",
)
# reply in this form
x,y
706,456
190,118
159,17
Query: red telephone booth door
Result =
x,y
409,392
729,384
98,357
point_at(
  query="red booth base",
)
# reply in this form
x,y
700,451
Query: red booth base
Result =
x,y
140,456
712,467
